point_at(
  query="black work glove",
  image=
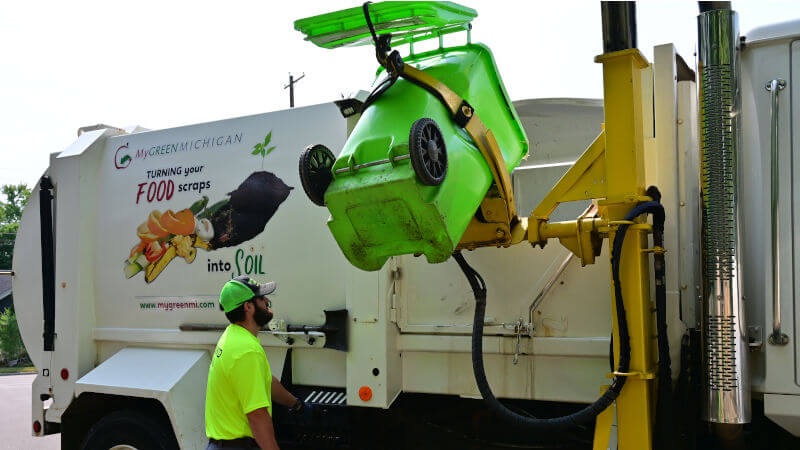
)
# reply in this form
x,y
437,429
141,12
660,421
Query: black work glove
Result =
x,y
298,409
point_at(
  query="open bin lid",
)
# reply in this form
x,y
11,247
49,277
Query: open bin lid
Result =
x,y
407,21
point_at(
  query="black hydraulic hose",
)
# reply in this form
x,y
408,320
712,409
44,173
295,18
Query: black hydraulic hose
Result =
x,y
664,431
393,63
365,8
591,411
378,91
381,42
565,423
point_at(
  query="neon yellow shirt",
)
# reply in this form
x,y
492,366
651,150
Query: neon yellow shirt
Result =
x,y
239,382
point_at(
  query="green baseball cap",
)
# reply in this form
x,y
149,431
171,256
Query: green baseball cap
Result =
x,y
241,289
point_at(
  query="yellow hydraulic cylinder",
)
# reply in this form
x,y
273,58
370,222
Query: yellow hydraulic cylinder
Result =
x,y
624,163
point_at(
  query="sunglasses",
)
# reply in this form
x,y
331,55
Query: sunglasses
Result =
x,y
268,302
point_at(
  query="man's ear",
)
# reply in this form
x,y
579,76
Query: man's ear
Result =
x,y
249,307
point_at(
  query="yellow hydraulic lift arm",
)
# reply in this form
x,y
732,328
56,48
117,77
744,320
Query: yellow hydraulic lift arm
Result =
x,y
610,172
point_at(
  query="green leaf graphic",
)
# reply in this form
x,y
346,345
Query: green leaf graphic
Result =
x,y
262,148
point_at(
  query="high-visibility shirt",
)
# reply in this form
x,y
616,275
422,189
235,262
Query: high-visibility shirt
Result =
x,y
239,382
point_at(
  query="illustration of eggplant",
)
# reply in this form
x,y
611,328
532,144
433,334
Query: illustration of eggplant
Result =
x,y
249,209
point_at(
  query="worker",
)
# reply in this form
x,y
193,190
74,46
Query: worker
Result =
x,y
241,388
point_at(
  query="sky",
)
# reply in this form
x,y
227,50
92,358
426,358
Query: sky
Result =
x,y
161,64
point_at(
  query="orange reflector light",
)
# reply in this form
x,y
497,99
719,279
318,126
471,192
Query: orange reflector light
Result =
x,y
365,393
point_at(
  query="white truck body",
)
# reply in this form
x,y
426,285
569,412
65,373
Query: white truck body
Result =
x,y
411,321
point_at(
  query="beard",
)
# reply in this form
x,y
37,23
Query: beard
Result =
x,y
262,316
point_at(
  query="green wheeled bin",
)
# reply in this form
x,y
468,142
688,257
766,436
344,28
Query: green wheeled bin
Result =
x,y
409,179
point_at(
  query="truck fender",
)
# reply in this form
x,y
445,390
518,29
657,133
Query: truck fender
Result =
x,y
174,378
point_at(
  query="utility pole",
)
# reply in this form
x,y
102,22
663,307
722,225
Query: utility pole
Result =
x,y
292,82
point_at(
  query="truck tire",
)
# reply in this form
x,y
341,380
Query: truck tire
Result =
x,y
129,429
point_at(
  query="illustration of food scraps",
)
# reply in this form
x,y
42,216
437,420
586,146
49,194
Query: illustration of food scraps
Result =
x,y
227,223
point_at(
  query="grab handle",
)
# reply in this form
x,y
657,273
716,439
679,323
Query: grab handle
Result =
x,y
777,337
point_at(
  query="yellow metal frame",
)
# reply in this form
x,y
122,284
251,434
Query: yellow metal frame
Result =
x,y
611,172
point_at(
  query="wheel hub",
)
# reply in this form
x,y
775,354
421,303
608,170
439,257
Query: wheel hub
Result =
x,y
433,150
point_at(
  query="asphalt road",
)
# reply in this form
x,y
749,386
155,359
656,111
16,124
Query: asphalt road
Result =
x,y
15,410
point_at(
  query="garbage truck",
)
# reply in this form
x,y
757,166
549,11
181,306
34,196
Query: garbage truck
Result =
x,y
677,332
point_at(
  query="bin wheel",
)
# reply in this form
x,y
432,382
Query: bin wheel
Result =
x,y
316,162
428,152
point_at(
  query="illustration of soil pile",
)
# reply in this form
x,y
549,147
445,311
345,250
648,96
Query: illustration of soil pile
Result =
x,y
227,223
249,209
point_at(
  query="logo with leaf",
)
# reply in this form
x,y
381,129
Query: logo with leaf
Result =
x,y
124,160
263,148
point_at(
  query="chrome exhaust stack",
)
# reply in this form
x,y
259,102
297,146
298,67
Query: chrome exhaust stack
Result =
x,y
727,383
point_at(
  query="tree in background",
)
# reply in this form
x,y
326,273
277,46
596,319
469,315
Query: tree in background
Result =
x,y
16,196
10,214
11,347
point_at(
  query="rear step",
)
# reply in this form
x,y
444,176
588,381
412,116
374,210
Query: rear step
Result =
x,y
329,397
